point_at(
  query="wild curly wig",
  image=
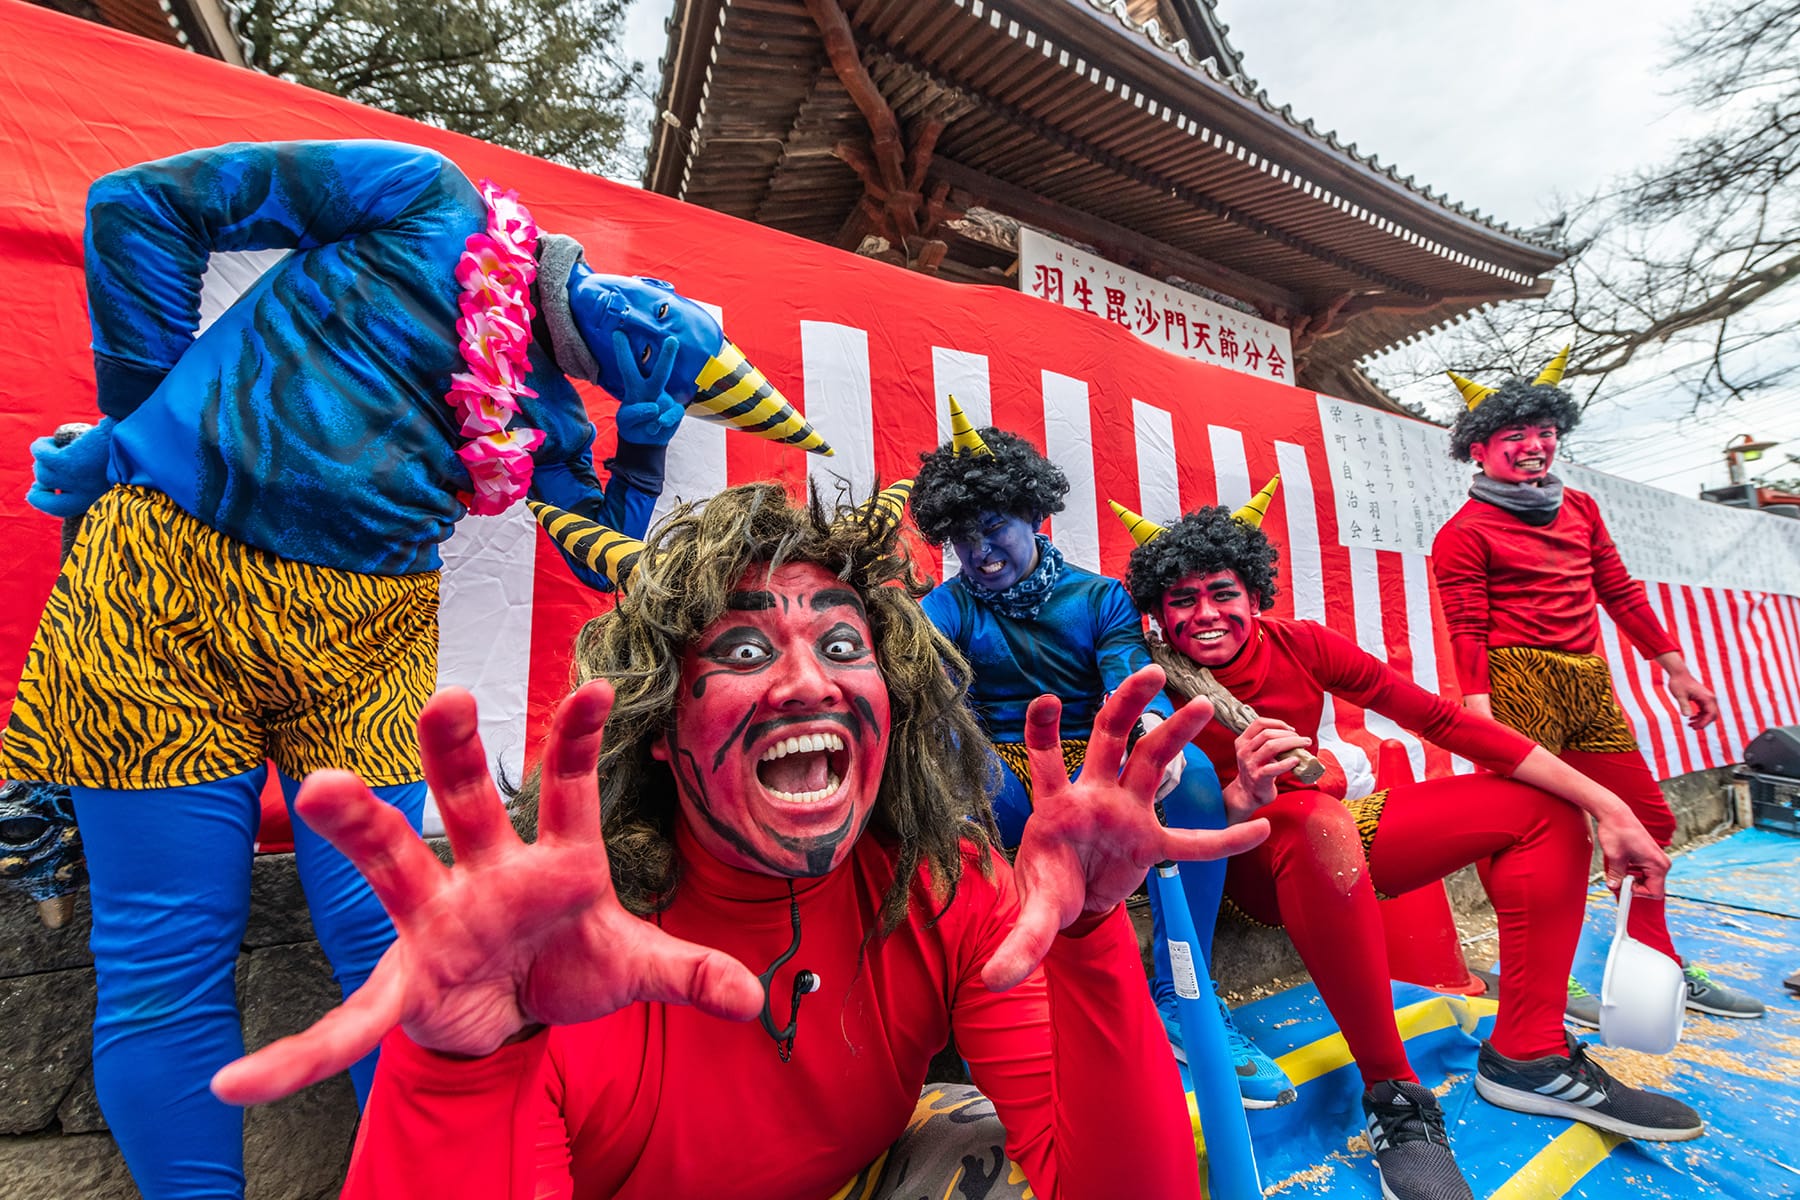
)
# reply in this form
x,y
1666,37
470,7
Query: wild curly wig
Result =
x,y
1206,540
1516,402
951,491
936,780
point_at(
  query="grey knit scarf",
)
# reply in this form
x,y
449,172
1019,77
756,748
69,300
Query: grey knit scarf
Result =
x,y
1532,503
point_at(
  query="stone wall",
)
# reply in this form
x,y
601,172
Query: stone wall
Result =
x,y
53,1140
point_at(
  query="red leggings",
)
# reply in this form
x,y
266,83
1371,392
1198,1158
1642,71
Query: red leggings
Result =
x,y
1626,774
1531,849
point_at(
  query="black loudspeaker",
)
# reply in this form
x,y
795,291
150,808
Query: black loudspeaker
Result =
x,y
1775,752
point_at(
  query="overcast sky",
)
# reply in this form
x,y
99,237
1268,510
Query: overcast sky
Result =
x,y
1503,107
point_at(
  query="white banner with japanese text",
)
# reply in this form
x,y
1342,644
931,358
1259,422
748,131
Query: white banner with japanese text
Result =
x,y
1159,313
1396,484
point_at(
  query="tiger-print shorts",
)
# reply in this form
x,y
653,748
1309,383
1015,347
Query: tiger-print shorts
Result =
x,y
1560,701
1018,759
169,654
1366,812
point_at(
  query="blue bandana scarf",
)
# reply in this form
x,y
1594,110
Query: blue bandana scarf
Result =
x,y
1024,599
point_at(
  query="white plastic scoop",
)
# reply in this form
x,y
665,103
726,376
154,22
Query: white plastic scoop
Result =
x,y
1643,996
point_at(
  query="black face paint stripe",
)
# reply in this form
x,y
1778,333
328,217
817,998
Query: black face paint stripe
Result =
x,y
848,720
703,805
818,851
835,598
862,706
725,746
757,601
699,688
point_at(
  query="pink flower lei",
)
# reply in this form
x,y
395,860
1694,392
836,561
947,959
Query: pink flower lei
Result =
x,y
495,272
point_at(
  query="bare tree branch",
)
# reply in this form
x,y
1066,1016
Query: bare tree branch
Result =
x,y
1680,259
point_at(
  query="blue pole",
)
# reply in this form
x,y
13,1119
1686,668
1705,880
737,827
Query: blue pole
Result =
x,y
1230,1159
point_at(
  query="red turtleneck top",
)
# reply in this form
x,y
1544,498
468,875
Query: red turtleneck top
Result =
x,y
1287,668
659,1100
1507,583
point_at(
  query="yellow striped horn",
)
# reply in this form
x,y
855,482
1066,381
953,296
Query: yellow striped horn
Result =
x,y
601,549
1142,529
1252,513
1472,393
733,392
1552,373
886,510
963,438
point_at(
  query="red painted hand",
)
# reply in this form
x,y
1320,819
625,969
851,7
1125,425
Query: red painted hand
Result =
x,y
1260,765
1628,849
512,936
1694,698
1089,843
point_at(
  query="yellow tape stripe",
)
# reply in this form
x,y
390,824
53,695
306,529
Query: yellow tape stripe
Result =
x,y
793,424
1308,1062
719,365
741,391
1559,1166
1551,1172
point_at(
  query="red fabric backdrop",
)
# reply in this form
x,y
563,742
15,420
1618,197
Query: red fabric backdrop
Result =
x,y
864,348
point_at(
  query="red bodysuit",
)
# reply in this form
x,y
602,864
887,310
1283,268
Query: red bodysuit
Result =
x,y
1507,583
1286,669
660,1100
1317,876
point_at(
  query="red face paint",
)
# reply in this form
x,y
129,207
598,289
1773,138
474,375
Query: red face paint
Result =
x,y
1209,617
781,727
1517,453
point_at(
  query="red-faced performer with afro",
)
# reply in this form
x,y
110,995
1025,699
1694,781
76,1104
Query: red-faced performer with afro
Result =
x,y
1522,568
1208,580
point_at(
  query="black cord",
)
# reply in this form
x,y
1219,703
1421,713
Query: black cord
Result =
x,y
804,982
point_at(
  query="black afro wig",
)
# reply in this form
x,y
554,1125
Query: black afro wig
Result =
x,y
1206,540
1517,402
951,491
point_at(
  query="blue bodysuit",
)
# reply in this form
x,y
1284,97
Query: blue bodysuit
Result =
x,y
1085,640
308,423
309,420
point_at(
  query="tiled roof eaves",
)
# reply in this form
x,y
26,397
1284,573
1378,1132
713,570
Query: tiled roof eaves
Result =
x,y
1250,96
695,29
1206,14
700,25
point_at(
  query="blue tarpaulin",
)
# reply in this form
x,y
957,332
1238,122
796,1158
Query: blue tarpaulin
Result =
x,y
1743,1076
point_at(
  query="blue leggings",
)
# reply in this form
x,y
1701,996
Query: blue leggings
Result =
x,y
169,872
1196,803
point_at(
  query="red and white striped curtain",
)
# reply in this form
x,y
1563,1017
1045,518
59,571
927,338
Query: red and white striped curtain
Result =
x,y
869,352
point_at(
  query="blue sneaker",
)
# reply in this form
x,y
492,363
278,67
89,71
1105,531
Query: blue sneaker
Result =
x,y
1261,1083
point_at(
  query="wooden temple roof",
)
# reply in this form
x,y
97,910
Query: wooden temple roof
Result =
x,y
203,26
898,127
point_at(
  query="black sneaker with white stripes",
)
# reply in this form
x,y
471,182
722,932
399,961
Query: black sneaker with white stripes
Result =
x,y
1406,1131
1575,1086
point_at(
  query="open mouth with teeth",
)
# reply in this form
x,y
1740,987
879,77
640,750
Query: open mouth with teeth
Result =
x,y
806,769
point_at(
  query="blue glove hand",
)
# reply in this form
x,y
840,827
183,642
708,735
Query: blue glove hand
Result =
x,y
70,478
648,415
